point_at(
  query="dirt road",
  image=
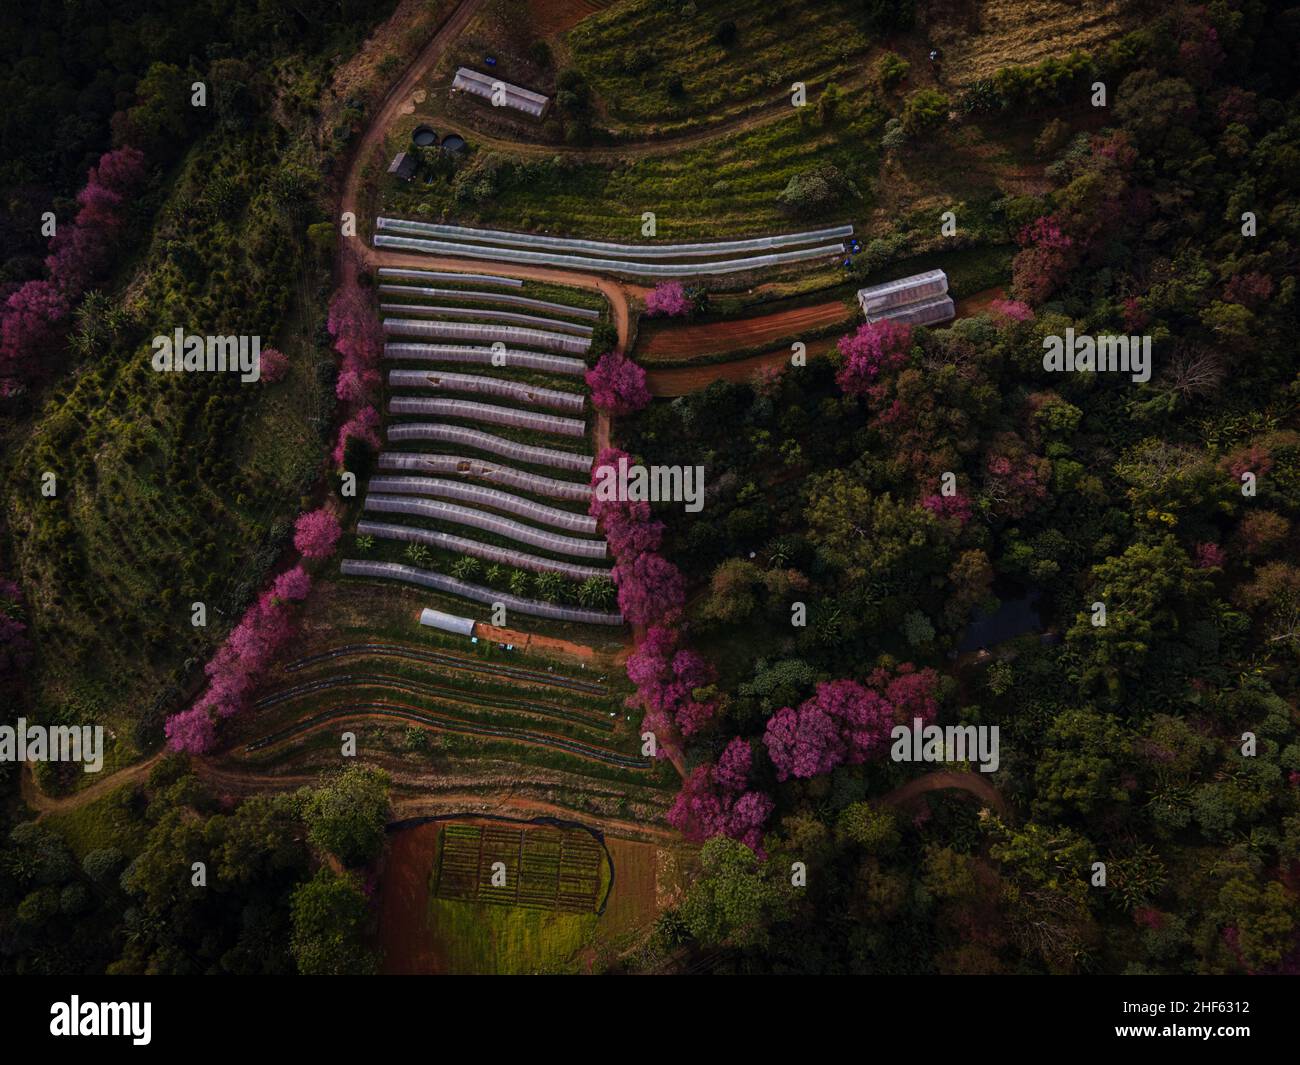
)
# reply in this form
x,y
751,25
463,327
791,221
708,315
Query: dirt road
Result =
x,y
972,783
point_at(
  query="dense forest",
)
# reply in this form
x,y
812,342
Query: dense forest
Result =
x,y
1162,743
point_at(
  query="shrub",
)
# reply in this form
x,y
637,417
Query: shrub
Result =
x,y
926,109
891,68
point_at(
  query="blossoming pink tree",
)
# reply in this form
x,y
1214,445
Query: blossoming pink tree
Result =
x,y
316,533
618,384
668,298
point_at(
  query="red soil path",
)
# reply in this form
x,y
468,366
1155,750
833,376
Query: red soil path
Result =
x,y
972,783
691,340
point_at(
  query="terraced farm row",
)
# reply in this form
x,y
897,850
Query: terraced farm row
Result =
x,y
447,717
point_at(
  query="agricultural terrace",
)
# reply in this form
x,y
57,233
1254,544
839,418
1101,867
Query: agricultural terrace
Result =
x,y
454,722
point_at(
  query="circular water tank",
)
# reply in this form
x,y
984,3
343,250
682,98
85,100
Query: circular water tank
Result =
x,y
424,136
453,143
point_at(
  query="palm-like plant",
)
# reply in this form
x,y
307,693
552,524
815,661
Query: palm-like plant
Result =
x,y
596,592
519,583
418,554
465,568
550,586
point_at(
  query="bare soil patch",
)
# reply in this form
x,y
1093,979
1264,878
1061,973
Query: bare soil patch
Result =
x,y
677,342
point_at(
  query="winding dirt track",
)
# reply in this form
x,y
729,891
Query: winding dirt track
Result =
x,y
945,779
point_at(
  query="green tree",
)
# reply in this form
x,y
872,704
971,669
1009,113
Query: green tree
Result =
x,y
736,898
329,915
347,813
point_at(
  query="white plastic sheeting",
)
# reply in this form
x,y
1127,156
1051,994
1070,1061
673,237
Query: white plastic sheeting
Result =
x,y
610,266
436,510
483,470
493,89
875,300
531,454
927,312
489,414
513,557
442,275
352,567
415,292
499,388
709,250
532,320
508,334
480,356
478,495
436,619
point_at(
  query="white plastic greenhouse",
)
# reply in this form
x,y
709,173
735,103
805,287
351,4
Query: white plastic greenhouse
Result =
x,y
436,510
440,275
508,334
493,89
478,495
419,292
876,301
504,556
480,356
927,312
481,469
351,567
489,414
499,388
534,320
538,242
531,454
436,619
612,266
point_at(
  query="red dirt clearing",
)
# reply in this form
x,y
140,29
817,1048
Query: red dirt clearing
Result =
x,y
404,932
675,342
531,643
688,379
549,17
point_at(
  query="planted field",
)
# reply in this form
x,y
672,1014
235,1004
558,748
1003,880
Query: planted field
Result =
x,y
656,65
710,191
540,868
424,931
1018,33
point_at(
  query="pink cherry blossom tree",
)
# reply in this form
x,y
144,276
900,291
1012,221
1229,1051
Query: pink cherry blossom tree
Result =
x,y
316,533
618,384
875,347
668,298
